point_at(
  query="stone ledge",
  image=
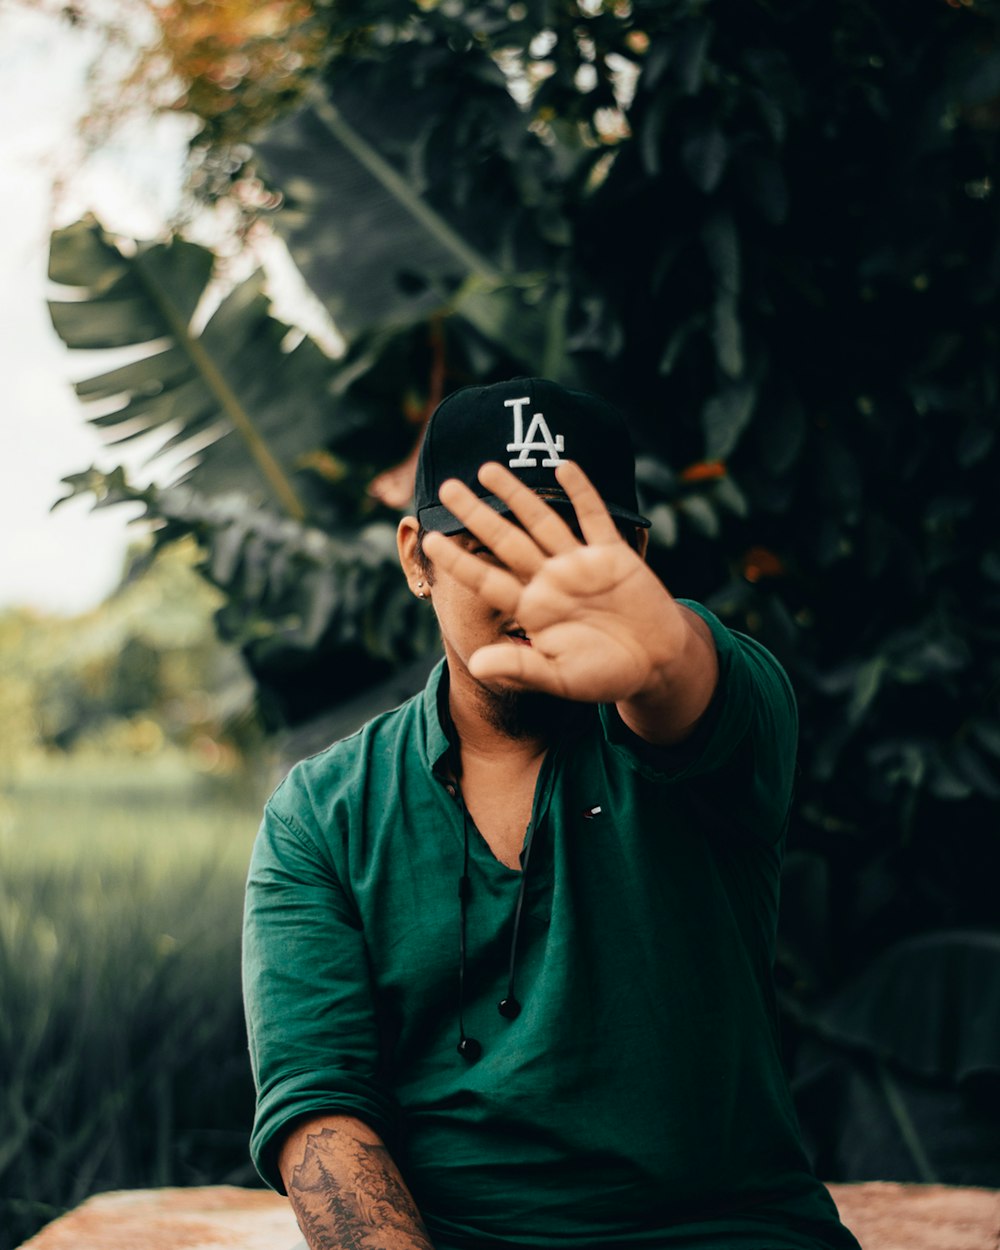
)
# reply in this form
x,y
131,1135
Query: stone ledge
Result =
x,y
883,1216
207,1218
886,1216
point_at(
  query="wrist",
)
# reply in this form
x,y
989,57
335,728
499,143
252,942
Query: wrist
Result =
x,y
682,678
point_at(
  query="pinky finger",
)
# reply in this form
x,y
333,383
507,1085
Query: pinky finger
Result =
x,y
592,514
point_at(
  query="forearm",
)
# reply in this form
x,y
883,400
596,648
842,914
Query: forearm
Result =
x,y
681,687
345,1189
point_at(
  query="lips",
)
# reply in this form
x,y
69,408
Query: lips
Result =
x,y
518,636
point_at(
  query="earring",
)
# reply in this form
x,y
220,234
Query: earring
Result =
x,y
421,593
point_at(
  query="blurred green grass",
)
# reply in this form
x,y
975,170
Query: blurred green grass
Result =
x,y
122,1046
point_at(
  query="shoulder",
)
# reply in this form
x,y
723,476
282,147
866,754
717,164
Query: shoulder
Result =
x,y
750,676
753,706
352,764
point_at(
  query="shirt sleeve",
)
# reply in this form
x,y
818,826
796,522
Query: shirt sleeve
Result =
x,y
311,1024
748,735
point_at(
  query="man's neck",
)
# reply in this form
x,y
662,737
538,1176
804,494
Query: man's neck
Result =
x,y
483,727
514,727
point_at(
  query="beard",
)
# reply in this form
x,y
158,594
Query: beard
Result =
x,y
522,714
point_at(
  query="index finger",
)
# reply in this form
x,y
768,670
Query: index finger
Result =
x,y
511,545
497,586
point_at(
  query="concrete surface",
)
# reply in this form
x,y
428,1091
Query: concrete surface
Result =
x,y
882,1216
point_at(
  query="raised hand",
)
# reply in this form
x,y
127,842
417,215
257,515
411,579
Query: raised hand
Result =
x,y
601,625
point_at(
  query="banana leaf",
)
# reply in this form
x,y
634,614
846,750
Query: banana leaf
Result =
x,y
230,402
290,587
390,220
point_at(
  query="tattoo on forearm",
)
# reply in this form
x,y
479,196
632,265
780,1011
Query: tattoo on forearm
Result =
x,y
348,1195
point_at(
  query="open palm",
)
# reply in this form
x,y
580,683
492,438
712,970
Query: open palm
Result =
x,y
601,625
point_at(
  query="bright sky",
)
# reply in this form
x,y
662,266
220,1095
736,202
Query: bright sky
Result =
x,y
69,560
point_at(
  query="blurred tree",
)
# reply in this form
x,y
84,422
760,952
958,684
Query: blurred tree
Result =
x,y
770,232
17,695
142,670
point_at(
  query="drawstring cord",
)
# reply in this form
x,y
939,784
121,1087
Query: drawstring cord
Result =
x,y
468,1047
509,1007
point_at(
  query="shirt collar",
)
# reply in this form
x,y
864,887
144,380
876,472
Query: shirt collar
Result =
x,y
437,742
440,738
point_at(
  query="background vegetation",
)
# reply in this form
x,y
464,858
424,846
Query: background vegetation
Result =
x,y
132,771
121,1037
770,231
145,674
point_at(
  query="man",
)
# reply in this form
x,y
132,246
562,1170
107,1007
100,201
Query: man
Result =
x,y
508,948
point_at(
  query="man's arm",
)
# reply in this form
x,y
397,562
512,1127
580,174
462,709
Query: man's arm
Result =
x,y
669,706
346,1190
603,628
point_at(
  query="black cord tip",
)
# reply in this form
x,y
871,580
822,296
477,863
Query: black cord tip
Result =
x,y
469,1049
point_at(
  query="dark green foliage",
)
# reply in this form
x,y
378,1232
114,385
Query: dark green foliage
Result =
x,y
781,254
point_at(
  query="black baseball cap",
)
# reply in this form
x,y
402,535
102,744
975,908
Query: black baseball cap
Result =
x,y
530,425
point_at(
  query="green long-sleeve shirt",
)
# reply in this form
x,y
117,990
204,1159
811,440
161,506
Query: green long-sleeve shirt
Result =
x,y
638,1099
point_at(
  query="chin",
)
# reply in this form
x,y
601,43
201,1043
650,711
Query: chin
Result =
x,y
526,713
502,689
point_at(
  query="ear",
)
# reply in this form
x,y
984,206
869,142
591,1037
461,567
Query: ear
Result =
x,y
406,545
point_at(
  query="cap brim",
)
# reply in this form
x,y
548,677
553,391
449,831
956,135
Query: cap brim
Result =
x,y
441,521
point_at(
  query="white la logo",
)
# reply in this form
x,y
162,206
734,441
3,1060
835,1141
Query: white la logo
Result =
x,y
538,438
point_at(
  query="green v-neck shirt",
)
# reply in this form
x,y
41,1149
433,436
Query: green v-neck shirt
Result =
x,y
638,1099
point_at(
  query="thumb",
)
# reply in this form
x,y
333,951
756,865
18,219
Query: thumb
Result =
x,y
523,667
